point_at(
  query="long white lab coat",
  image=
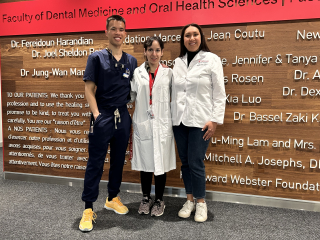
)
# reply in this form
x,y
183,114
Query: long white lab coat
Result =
x,y
153,142
198,93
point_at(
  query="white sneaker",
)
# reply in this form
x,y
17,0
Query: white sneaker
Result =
x,y
201,212
186,210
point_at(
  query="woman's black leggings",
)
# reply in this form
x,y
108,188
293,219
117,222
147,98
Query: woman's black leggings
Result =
x,y
160,183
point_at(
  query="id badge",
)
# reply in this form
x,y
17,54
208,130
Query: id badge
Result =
x,y
125,75
150,114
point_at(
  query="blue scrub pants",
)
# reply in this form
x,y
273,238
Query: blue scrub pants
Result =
x,y
104,132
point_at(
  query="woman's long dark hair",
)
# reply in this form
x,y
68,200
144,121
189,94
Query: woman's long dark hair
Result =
x,y
203,45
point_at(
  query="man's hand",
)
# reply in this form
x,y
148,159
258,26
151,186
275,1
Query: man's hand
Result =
x,y
96,115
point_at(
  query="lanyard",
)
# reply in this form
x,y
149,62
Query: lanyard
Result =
x,y
151,82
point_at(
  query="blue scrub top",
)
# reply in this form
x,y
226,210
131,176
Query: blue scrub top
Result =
x,y
113,85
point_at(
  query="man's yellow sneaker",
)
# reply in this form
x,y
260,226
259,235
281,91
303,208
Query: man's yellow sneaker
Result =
x,y
86,221
116,205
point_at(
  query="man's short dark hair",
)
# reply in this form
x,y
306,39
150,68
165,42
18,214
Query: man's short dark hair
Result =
x,y
116,18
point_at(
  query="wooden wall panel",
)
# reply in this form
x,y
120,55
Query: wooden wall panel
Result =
x,y
241,139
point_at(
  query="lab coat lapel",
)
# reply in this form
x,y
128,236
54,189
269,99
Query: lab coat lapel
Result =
x,y
143,72
159,75
185,60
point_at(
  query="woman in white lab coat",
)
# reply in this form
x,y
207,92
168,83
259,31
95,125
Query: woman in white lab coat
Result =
x,y
197,106
153,142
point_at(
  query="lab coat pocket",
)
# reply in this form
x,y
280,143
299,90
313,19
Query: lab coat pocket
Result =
x,y
203,110
143,130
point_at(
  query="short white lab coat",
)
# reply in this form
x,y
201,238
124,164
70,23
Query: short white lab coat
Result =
x,y
198,92
153,142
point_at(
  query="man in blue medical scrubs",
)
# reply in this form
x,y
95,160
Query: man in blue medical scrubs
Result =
x,y
107,88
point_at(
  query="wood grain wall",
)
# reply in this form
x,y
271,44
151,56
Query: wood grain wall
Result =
x,y
244,135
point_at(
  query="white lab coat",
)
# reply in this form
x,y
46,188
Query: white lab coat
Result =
x,y
153,142
198,92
